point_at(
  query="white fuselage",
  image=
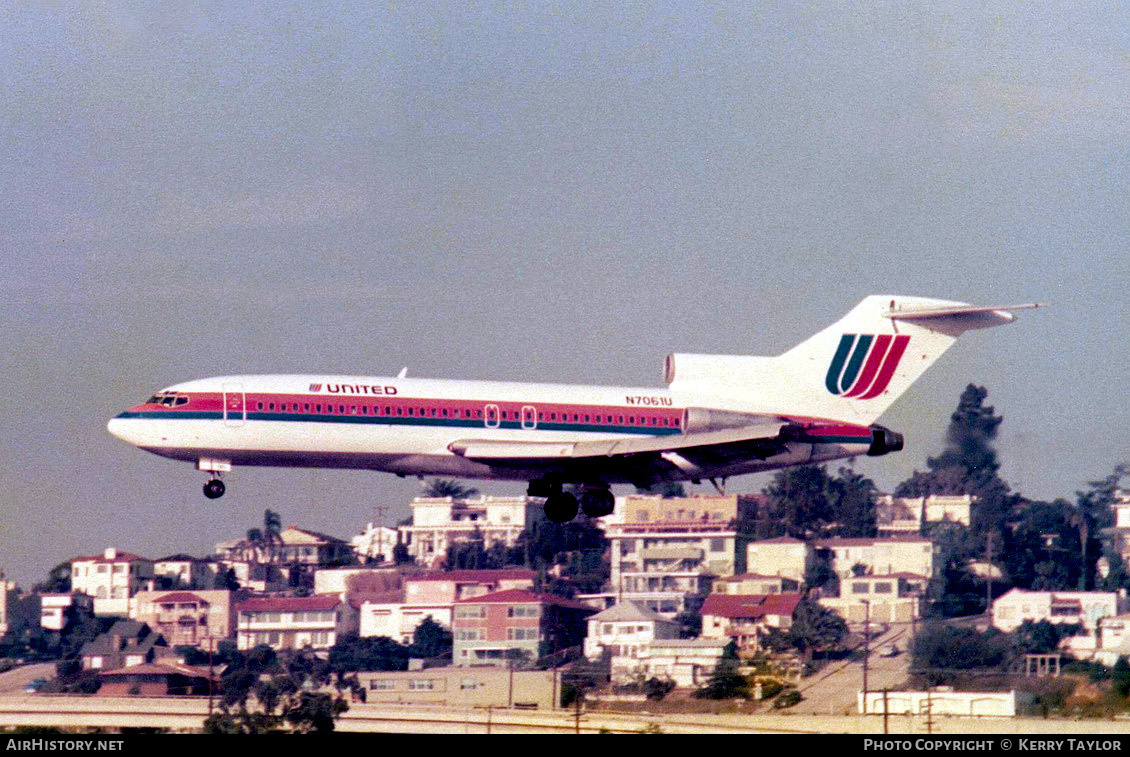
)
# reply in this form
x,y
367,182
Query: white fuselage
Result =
x,y
409,426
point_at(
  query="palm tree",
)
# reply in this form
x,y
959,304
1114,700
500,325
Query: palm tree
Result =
x,y
443,487
272,528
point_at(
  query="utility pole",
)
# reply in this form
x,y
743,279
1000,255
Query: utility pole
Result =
x,y
885,731
989,574
866,646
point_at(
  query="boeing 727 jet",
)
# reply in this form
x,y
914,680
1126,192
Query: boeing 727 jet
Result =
x,y
719,416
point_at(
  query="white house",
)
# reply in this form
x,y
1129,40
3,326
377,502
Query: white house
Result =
x,y
1086,608
621,632
293,622
439,522
687,662
111,578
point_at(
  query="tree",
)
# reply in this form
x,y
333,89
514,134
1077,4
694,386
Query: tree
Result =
x,y
353,653
58,580
799,499
431,640
940,651
853,504
1120,677
968,465
725,682
665,489
443,487
814,628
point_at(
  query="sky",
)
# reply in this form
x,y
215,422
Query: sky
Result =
x,y
551,191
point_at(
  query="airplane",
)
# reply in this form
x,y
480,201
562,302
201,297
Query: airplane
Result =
x,y
719,416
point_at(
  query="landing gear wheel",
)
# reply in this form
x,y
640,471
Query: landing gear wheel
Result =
x,y
214,489
561,507
598,502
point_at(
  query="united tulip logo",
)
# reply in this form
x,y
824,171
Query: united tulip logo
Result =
x,y
864,364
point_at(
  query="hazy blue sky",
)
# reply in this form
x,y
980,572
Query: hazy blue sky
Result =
x,y
535,192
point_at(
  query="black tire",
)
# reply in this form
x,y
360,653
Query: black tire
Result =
x,y
598,502
214,489
561,507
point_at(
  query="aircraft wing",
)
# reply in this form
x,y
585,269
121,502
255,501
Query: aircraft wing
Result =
x,y
638,458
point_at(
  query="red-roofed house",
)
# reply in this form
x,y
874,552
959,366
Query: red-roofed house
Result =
x,y
433,595
111,578
746,618
487,628
157,679
187,618
294,622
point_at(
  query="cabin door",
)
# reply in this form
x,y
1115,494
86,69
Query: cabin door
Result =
x,y
235,405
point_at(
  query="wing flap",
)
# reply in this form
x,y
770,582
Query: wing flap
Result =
x,y
767,436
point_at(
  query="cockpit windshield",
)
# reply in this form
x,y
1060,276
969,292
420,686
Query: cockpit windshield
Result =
x,y
167,399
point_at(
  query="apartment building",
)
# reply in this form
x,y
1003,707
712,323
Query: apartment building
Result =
x,y
440,522
111,579
515,624
187,618
294,622
666,553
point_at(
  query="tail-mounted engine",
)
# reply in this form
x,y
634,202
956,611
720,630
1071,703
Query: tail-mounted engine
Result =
x,y
883,440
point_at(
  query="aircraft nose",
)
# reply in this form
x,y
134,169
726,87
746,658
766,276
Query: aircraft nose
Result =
x,y
123,428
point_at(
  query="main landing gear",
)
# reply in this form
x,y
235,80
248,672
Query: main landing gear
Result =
x,y
562,506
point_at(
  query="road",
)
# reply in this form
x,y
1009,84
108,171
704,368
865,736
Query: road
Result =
x,y
834,690
186,714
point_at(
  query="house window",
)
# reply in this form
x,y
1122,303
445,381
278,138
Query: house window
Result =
x,y
382,685
421,684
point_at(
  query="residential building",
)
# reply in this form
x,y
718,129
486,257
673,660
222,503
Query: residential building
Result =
x,y
689,663
783,556
1119,534
58,610
9,601
755,583
906,515
479,687
294,546
293,622
746,619
1113,639
493,628
357,582
375,544
897,554
126,643
620,632
440,522
1085,608
398,620
185,572
432,595
879,599
666,553
187,618
158,679
111,578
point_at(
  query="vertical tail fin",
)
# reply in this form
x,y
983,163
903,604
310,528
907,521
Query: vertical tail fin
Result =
x,y
857,367
852,371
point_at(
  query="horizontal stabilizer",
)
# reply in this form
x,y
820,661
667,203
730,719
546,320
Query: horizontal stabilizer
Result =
x,y
1000,314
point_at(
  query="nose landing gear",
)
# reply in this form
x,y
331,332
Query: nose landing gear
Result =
x,y
214,489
